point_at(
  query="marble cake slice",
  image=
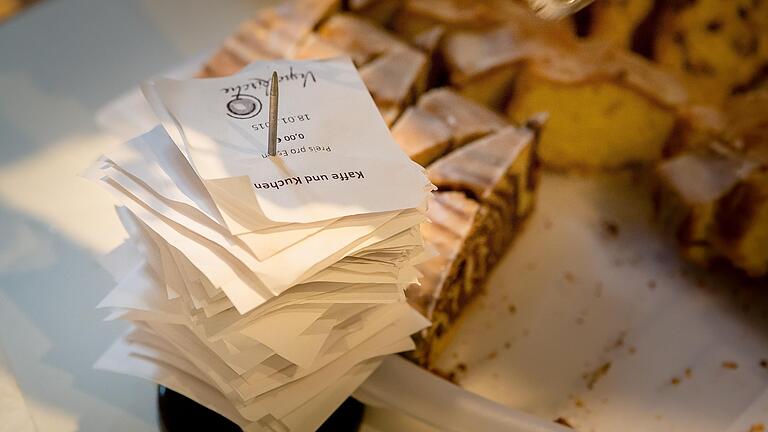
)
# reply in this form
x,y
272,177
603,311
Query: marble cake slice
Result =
x,y
741,224
458,233
497,170
484,187
423,136
466,119
483,64
395,79
713,192
442,121
359,38
272,33
690,186
394,72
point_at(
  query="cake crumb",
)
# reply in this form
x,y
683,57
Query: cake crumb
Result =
x,y
632,350
611,228
730,365
580,320
579,403
569,277
451,375
675,381
446,375
507,345
757,427
563,422
764,363
688,373
493,355
594,376
512,308
619,342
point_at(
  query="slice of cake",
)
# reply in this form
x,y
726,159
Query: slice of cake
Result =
x,y
691,185
394,72
608,108
359,38
494,170
272,33
442,121
316,47
482,63
483,66
467,120
713,193
485,190
450,280
423,136
416,16
395,79
741,224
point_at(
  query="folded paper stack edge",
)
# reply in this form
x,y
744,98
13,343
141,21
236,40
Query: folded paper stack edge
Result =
x,y
266,288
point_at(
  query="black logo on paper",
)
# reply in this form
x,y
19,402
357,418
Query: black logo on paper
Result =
x,y
243,106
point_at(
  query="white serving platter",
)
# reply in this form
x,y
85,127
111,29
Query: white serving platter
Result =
x,y
591,281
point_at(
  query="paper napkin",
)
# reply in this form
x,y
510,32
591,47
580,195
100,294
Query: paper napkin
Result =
x,y
264,299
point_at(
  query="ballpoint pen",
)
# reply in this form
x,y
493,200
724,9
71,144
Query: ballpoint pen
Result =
x,y
273,99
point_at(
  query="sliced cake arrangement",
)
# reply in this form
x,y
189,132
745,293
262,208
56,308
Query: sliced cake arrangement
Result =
x,y
482,93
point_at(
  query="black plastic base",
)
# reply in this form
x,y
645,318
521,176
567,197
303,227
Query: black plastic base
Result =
x,y
178,413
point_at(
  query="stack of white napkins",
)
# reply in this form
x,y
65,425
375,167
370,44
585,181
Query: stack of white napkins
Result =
x,y
270,287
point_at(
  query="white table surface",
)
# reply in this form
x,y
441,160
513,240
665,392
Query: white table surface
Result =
x,y
59,62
